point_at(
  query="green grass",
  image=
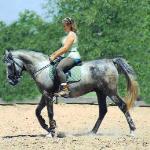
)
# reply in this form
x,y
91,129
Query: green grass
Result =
x,y
90,95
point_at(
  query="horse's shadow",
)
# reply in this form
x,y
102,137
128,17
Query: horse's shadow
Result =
x,y
59,135
23,135
62,135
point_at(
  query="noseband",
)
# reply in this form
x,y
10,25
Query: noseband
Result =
x,y
15,74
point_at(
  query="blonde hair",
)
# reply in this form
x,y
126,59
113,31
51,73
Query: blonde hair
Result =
x,y
69,21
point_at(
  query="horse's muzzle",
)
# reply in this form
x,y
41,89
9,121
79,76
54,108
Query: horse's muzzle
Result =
x,y
12,81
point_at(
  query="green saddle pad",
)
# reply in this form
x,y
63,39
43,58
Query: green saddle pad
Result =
x,y
73,75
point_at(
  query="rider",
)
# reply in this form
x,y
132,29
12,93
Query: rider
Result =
x,y
69,52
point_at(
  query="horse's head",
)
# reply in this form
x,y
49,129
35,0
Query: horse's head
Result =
x,y
14,67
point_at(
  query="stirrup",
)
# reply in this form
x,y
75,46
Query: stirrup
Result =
x,y
64,92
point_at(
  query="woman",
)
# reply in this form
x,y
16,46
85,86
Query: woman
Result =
x,y
69,52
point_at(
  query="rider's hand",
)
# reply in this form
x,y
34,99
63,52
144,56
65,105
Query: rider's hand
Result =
x,y
51,59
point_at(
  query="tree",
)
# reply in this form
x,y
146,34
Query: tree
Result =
x,y
32,33
109,29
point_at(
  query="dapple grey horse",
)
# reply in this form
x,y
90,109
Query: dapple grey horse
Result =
x,y
100,76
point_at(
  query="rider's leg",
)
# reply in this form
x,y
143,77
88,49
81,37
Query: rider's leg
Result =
x,y
64,65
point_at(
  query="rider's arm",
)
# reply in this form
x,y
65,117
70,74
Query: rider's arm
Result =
x,y
69,41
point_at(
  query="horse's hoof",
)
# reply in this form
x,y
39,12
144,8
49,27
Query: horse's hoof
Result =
x,y
132,133
91,133
54,134
49,135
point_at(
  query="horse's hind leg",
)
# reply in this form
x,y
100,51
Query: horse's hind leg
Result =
x,y
123,107
38,110
102,110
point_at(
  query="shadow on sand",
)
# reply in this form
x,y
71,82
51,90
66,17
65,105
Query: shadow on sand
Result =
x,y
59,135
65,134
23,135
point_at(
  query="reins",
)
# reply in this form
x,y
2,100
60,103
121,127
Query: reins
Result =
x,y
34,74
54,63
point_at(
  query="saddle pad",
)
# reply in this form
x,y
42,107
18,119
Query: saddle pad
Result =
x,y
73,75
51,72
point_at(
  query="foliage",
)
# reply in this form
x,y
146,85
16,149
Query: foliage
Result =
x,y
106,29
29,32
109,29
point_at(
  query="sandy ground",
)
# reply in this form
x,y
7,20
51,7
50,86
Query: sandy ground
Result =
x,y
20,130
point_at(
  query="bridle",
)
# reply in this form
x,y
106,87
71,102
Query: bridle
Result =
x,y
15,73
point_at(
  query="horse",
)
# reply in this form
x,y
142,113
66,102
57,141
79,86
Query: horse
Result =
x,y
100,76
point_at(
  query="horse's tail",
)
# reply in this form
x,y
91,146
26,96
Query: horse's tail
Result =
x,y
132,86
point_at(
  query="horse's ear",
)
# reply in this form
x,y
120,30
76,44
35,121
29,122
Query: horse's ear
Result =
x,y
9,49
5,55
6,52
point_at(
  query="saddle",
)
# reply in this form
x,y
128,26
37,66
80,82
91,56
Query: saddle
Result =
x,y
73,75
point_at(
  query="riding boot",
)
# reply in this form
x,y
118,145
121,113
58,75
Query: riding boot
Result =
x,y
64,92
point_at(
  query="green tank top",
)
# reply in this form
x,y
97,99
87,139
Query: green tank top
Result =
x,y
73,50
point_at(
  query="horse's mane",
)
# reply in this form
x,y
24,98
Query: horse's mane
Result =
x,y
32,53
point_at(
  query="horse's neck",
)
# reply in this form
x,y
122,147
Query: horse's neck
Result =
x,y
32,60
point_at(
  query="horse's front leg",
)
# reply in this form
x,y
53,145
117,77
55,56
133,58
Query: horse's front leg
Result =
x,y
52,122
38,110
